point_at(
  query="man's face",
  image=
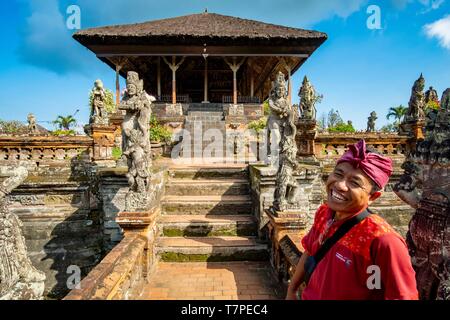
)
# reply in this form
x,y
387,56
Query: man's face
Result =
x,y
349,189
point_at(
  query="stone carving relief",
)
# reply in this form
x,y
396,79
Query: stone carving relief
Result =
x,y
425,185
19,279
136,141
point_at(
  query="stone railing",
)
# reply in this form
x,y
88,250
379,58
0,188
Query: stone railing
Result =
x,y
330,146
44,148
119,276
335,144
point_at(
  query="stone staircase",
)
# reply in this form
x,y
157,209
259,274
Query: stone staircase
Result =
x,y
207,217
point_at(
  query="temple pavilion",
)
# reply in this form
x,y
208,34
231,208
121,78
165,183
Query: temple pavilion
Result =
x,y
203,58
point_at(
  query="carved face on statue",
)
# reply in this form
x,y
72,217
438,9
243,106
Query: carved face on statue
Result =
x,y
98,84
131,89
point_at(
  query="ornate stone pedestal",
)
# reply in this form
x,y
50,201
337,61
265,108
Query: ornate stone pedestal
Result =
x,y
142,223
104,141
306,134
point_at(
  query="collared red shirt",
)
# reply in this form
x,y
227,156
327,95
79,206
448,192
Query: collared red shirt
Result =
x,y
370,262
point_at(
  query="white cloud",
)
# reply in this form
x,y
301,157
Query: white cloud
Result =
x,y
440,29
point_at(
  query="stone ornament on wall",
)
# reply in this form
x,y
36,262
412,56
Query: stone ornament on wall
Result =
x,y
371,122
425,185
136,142
99,115
32,126
19,279
307,96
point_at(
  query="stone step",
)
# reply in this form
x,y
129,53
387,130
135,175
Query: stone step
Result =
x,y
197,173
211,205
211,225
185,187
224,248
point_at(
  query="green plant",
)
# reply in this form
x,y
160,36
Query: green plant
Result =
x,y
432,105
116,153
258,125
65,123
397,113
158,132
391,127
266,108
110,104
342,127
62,132
11,127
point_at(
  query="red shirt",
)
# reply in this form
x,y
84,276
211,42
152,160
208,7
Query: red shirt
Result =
x,y
348,267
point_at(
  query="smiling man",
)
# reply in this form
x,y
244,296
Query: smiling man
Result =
x,y
369,261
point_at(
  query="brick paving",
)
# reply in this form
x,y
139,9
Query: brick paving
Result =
x,y
212,281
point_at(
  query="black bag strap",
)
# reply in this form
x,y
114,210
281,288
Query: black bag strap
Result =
x,y
340,232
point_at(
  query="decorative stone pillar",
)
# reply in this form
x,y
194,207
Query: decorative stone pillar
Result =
x,y
104,141
306,134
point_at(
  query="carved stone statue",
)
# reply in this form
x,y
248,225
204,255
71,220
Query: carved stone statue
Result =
x,y
280,109
371,122
286,184
99,115
19,279
307,100
431,95
32,127
136,141
416,103
425,185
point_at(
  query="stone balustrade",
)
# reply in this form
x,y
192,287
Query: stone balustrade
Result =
x,y
44,148
119,276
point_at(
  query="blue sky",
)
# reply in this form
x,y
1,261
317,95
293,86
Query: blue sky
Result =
x,y
45,71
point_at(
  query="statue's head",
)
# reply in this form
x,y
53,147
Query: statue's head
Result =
x,y
279,85
134,85
373,114
98,84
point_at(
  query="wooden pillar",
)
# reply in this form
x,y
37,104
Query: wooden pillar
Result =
x,y
118,67
205,97
289,70
174,67
235,67
158,80
252,84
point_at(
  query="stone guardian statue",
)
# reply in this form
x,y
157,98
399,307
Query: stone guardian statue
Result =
x,y
19,279
136,141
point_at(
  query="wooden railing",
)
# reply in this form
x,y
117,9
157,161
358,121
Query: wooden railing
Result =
x,y
241,99
181,98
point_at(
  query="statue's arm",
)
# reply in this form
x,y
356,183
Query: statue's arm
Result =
x,y
15,177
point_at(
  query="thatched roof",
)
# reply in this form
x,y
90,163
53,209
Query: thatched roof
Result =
x,y
196,29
